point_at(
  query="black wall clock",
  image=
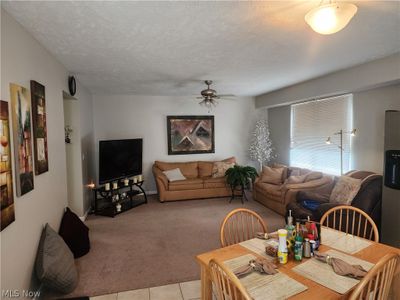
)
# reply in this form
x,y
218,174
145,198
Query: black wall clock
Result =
x,y
72,85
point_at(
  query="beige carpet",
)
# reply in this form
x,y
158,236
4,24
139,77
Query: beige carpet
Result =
x,y
155,244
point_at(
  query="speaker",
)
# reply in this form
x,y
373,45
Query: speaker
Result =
x,y
392,169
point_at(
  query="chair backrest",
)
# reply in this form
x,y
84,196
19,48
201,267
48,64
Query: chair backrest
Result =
x,y
377,283
351,220
240,225
226,285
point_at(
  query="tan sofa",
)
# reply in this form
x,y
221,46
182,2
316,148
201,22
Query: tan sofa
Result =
x,y
198,184
277,196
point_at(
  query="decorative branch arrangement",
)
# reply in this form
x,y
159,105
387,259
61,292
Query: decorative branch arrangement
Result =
x,y
261,146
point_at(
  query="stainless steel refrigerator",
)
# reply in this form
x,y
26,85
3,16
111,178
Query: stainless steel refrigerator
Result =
x,y
391,189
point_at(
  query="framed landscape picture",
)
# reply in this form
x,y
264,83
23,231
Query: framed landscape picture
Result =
x,y
6,185
21,118
39,127
190,134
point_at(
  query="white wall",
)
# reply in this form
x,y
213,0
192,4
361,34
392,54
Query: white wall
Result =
x,y
23,59
369,119
127,116
369,75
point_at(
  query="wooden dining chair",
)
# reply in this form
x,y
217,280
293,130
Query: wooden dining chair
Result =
x,y
240,225
377,283
226,285
351,220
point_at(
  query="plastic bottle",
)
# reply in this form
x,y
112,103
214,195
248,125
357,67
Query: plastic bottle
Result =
x,y
314,232
291,233
282,248
298,244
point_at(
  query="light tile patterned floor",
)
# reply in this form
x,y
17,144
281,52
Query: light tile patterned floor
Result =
x,y
179,291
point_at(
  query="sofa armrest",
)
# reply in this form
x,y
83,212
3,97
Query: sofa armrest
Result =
x,y
161,179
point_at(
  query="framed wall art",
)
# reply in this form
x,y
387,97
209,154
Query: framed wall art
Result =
x,y
39,124
21,118
6,185
190,134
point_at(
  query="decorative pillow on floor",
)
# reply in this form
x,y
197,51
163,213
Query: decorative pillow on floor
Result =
x,y
54,265
272,175
75,233
174,175
220,167
345,190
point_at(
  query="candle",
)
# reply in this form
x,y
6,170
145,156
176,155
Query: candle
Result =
x,y
126,181
135,179
107,186
115,185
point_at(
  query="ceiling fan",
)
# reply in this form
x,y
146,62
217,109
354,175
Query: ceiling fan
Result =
x,y
209,96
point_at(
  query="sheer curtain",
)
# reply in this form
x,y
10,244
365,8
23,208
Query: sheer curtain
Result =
x,y
312,123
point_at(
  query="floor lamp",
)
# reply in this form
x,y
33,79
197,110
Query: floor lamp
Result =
x,y
340,133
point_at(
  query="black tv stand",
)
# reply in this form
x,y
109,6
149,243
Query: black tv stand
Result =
x,y
106,202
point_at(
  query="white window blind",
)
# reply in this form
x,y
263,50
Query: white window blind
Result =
x,y
311,124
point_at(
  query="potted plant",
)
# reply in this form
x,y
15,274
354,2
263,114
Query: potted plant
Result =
x,y
240,177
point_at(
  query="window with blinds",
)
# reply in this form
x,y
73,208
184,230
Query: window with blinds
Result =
x,y
311,124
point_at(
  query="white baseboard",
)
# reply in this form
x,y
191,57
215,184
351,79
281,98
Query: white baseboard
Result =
x,y
83,218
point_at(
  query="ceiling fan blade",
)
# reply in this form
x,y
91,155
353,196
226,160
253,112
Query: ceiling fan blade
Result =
x,y
226,95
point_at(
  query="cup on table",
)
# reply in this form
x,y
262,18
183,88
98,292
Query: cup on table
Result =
x,y
126,181
140,177
107,186
115,185
135,179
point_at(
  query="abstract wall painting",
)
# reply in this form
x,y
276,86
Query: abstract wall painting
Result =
x,y
6,186
21,118
39,127
190,134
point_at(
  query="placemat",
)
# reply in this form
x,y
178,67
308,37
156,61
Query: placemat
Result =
x,y
343,241
258,246
323,273
262,286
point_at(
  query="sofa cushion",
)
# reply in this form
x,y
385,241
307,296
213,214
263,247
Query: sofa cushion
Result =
x,y
345,190
210,182
174,175
188,169
220,167
272,175
205,168
312,176
54,265
188,184
269,189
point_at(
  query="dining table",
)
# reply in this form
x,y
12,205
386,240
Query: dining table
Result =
x,y
370,253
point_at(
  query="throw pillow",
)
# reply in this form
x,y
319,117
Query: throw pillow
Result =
x,y
174,175
54,265
345,190
74,233
272,175
220,167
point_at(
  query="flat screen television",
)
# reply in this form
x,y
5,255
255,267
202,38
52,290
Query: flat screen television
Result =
x,y
119,159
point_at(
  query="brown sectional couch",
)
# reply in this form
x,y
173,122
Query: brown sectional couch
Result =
x,y
198,184
277,196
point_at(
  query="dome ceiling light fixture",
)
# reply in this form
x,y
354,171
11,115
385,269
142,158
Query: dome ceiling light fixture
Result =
x,y
330,18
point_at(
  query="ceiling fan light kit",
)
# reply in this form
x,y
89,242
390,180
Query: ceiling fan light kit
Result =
x,y
330,18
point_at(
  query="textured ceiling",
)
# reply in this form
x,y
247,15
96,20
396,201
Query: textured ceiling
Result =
x,y
168,48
